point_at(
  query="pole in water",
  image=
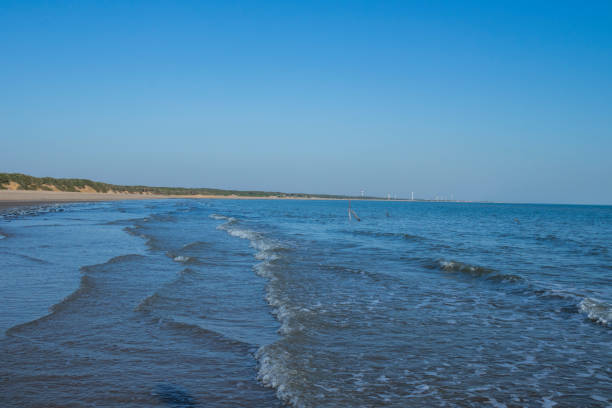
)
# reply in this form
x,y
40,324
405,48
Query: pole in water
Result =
x,y
351,212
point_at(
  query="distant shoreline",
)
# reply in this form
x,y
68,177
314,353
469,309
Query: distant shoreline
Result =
x,y
24,182
21,198
29,190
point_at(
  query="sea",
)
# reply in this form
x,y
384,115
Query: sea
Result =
x,y
291,303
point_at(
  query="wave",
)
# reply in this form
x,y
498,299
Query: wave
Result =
x,y
164,217
184,259
116,259
473,270
188,254
549,237
268,249
147,304
200,332
556,294
273,360
125,221
553,239
49,225
33,210
87,283
274,372
597,311
195,245
157,300
378,234
150,241
27,257
175,396
223,217
345,271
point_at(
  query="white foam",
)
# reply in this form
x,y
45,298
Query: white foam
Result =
x,y
272,373
263,270
596,310
257,240
283,312
274,367
181,258
244,234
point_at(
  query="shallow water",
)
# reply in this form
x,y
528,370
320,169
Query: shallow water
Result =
x,y
272,303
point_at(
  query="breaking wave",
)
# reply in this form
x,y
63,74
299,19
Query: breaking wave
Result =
x,y
272,372
272,358
223,217
597,311
182,258
473,270
189,254
31,211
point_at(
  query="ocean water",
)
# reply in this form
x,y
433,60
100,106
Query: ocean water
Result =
x,y
271,303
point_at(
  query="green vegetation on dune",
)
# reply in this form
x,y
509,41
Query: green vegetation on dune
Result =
x,y
26,182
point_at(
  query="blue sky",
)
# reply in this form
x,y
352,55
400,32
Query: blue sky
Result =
x,y
510,101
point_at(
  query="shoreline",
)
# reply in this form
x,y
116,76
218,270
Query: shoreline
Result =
x,y
22,198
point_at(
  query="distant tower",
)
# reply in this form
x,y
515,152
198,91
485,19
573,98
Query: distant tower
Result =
x,y
362,193
412,195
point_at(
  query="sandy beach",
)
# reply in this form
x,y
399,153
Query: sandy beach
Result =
x,y
16,198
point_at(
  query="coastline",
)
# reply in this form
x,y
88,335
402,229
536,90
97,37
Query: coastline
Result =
x,y
20,198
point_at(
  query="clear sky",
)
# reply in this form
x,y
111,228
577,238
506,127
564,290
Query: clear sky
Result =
x,y
505,101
